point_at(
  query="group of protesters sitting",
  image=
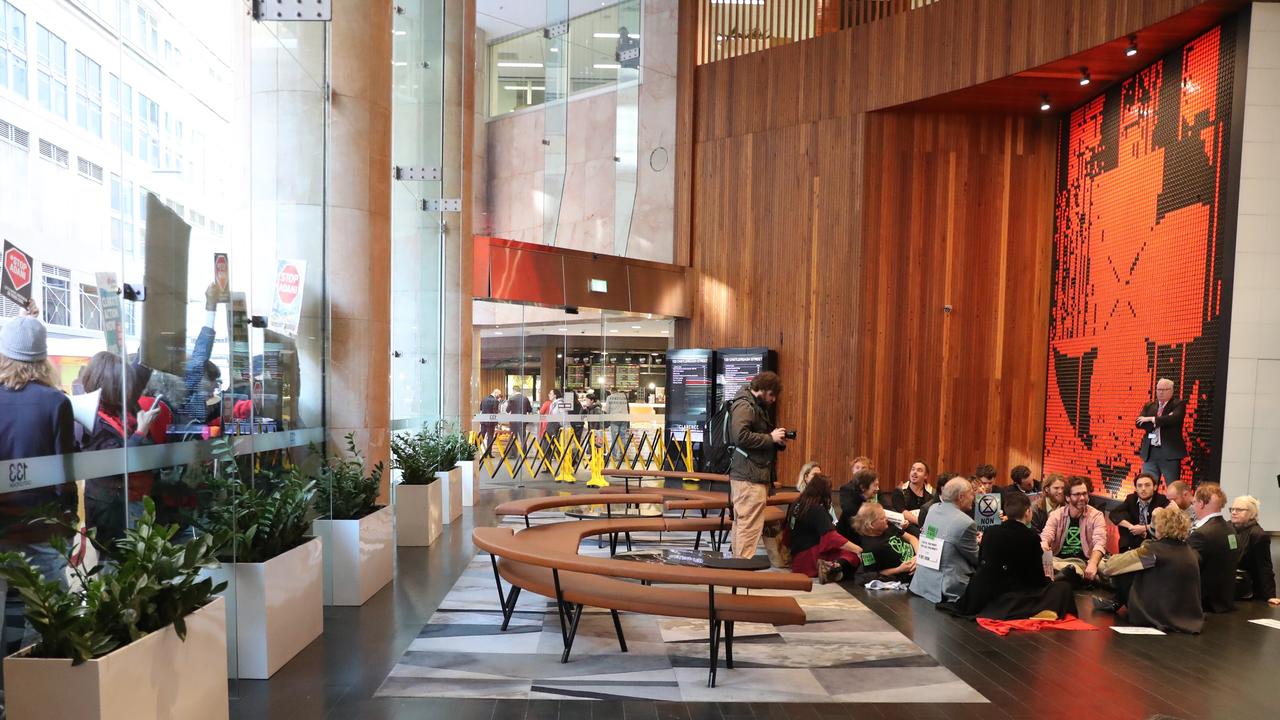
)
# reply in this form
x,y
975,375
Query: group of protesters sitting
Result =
x,y
1179,554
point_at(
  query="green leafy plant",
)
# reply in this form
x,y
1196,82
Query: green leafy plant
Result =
x,y
258,522
343,491
152,582
420,455
464,448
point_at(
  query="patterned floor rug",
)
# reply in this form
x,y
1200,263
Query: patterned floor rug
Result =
x,y
845,653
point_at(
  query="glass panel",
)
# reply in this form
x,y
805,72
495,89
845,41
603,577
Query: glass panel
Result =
x,y
557,64
627,133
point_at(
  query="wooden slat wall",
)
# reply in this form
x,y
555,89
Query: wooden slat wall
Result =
x,y
959,213
842,260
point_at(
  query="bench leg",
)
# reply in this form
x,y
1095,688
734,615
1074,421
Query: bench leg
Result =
x,y
510,608
617,628
560,609
573,632
714,636
728,644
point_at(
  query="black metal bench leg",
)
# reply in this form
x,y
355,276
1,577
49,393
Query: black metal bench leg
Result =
x,y
497,580
628,542
617,628
573,632
560,609
713,637
509,609
728,644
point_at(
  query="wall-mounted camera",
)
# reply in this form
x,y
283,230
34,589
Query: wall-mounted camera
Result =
x,y
133,293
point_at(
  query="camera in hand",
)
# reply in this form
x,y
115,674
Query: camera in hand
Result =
x,y
790,435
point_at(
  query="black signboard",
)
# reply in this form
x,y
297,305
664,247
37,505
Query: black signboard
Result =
x,y
690,396
736,366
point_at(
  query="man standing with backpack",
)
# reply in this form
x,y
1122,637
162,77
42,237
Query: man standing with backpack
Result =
x,y
751,466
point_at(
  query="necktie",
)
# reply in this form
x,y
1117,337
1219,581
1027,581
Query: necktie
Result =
x,y
1155,441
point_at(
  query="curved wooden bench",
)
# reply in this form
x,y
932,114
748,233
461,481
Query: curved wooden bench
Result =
x,y
545,560
525,507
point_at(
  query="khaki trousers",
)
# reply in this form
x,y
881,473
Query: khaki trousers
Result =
x,y
748,516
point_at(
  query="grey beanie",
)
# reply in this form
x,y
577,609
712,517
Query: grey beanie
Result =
x,y
24,339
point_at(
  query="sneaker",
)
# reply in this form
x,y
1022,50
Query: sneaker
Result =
x,y
829,572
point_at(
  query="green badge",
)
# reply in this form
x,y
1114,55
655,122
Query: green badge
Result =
x,y
868,559
1233,542
931,532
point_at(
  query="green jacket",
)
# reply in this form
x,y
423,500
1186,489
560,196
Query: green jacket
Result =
x,y
754,450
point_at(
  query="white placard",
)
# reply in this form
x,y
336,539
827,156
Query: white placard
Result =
x,y
930,554
895,517
1268,623
1131,630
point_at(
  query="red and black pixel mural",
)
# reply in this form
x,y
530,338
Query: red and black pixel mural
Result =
x,y
1138,276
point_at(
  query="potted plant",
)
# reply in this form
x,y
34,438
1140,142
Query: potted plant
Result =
x,y
142,637
275,570
357,532
467,467
415,494
450,446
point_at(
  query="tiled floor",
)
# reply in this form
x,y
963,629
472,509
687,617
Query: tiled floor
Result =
x,y
1226,672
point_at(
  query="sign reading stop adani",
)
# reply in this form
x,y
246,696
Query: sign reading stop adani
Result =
x,y
15,280
286,306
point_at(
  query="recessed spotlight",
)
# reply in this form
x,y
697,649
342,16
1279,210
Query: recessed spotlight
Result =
x,y
1084,76
1044,102
615,330
635,327
564,329
497,332
1133,46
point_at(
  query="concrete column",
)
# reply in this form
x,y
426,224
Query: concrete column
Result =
x,y
459,134
358,267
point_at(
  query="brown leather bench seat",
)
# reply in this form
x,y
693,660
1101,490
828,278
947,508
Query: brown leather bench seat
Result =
x,y
545,560
527,506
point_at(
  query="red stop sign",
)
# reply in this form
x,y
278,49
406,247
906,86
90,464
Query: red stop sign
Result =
x,y
287,284
17,268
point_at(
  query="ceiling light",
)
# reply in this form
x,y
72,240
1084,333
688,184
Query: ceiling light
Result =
x,y
612,36
497,332
1133,46
1044,102
522,88
554,49
564,329
635,327
613,330
1084,76
520,64
666,332
606,66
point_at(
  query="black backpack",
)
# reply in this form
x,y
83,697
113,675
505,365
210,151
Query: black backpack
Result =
x,y
718,447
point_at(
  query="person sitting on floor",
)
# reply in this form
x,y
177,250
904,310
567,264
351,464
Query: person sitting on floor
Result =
x,y
1010,582
1053,497
1021,481
864,487
1076,534
909,498
1158,582
807,472
951,523
1255,578
817,550
1133,518
1179,493
1215,540
984,479
886,549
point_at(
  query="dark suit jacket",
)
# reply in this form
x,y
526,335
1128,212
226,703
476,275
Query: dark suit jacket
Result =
x,y
1170,424
1258,581
489,405
1009,560
1218,562
1129,511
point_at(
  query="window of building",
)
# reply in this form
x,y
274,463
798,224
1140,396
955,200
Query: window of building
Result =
x,y
51,71
13,49
88,94
57,295
90,308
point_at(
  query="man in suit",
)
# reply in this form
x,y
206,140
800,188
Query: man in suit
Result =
x,y
1134,516
1163,446
518,404
951,522
489,406
1215,540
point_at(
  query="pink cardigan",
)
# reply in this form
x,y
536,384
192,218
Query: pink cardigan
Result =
x,y
1093,530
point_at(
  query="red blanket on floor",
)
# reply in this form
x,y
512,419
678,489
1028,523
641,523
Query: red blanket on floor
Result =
x,y
1004,627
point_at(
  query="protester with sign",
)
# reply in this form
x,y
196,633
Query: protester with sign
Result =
x,y
886,550
949,545
1076,534
1010,582
986,510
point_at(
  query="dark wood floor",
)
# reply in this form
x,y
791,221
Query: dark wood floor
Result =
x,y
1224,673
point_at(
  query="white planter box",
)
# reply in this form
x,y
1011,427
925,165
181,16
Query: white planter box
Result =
x,y
451,494
470,483
418,514
277,609
358,556
158,676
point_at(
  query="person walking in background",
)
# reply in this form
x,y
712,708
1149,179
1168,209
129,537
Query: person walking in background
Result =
x,y
619,430
751,464
1163,445
488,430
